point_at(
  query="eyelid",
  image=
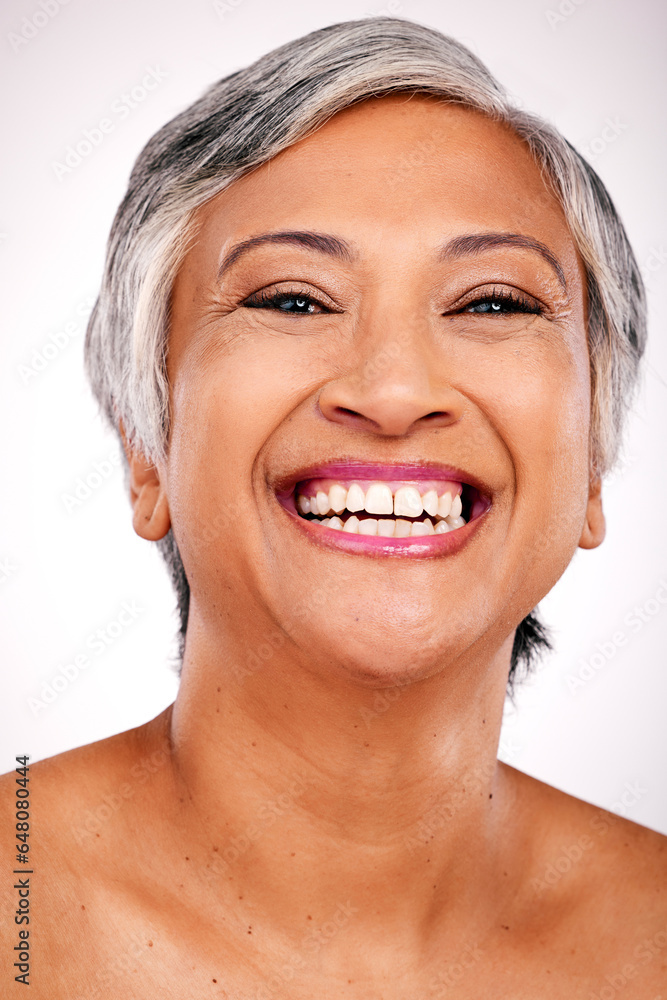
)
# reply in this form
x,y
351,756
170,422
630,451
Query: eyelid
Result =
x,y
294,288
498,291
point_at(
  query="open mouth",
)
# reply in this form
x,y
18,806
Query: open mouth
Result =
x,y
415,509
393,509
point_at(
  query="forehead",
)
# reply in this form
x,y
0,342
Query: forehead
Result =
x,y
409,167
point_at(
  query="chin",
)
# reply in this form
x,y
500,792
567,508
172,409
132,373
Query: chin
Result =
x,y
377,656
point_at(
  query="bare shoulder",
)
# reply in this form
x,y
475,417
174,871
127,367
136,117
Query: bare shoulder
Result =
x,y
74,794
81,805
610,871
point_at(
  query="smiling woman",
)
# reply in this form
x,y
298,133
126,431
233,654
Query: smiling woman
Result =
x,y
368,334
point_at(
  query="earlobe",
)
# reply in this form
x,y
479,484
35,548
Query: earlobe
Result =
x,y
594,525
151,519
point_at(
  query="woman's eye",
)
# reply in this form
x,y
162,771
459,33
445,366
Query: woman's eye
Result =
x,y
494,305
296,304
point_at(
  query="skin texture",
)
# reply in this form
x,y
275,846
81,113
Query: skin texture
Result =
x,y
321,812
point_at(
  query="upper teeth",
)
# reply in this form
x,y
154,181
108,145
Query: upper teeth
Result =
x,y
378,499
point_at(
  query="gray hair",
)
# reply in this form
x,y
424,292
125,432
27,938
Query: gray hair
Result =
x,y
252,115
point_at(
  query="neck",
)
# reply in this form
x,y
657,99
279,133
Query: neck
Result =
x,y
312,794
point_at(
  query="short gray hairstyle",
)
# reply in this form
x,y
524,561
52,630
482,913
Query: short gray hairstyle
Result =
x,y
252,115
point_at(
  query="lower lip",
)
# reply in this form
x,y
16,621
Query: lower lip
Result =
x,y
419,547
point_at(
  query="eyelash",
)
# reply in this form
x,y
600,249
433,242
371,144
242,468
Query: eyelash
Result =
x,y
517,302
509,302
273,300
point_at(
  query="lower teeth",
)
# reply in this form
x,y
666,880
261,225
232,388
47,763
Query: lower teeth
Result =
x,y
390,527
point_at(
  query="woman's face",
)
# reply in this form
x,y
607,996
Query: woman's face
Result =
x,y
401,339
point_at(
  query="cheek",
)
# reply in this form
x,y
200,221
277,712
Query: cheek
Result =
x,y
225,407
548,410
537,394
217,425
237,384
224,400
545,418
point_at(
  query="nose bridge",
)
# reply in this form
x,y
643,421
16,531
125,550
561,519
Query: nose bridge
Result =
x,y
394,346
394,377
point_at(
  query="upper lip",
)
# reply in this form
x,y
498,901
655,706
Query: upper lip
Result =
x,y
351,468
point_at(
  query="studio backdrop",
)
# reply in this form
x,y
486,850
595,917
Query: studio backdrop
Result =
x,y
88,615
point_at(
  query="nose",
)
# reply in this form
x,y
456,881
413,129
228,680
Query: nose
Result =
x,y
395,386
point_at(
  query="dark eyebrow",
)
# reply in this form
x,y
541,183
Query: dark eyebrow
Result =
x,y
333,246
476,243
322,242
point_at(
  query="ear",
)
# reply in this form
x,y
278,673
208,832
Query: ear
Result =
x,y
151,518
594,525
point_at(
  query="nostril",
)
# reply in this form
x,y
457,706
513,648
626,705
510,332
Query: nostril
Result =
x,y
390,414
345,414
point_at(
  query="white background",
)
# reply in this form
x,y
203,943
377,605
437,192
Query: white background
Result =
x,y
64,573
